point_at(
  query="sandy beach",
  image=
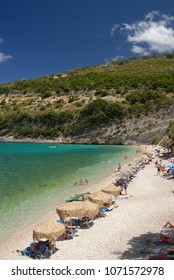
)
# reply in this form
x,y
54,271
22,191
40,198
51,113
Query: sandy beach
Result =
x,y
124,230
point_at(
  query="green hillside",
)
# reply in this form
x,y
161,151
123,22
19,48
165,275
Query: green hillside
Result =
x,y
84,100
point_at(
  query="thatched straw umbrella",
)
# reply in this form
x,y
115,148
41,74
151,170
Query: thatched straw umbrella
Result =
x,y
91,209
49,230
101,198
77,209
111,189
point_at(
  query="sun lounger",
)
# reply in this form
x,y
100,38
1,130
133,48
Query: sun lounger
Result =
x,y
105,209
86,224
70,233
101,214
39,254
44,251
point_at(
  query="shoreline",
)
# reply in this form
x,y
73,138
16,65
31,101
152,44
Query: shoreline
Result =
x,y
61,140
22,238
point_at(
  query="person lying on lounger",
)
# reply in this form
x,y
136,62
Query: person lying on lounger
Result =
x,y
35,246
167,232
170,223
73,222
69,223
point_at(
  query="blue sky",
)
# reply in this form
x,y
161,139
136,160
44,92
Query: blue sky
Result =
x,y
43,37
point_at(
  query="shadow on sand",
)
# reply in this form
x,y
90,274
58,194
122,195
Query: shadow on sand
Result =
x,y
135,247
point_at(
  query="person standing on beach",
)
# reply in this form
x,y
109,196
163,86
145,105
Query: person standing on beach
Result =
x,y
86,181
158,169
81,182
125,185
119,167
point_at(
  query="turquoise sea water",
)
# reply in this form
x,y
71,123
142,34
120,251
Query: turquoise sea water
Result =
x,y
34,178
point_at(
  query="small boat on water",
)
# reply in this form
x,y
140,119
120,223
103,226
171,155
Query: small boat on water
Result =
x,y
52,147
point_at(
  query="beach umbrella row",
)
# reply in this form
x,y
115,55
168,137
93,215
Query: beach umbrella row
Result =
x,y
51,231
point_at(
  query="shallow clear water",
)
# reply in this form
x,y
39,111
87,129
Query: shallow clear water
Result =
x,y
36,177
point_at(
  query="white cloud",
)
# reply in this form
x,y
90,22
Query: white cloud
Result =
x,y
139,50
150,16
113,29
153,34
4,57
115,58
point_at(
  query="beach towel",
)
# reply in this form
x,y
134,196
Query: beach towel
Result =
x,y
104,209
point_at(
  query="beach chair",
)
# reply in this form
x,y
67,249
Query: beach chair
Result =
x,y
50,250
70,233
104,209
86,224
101,214
39,254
